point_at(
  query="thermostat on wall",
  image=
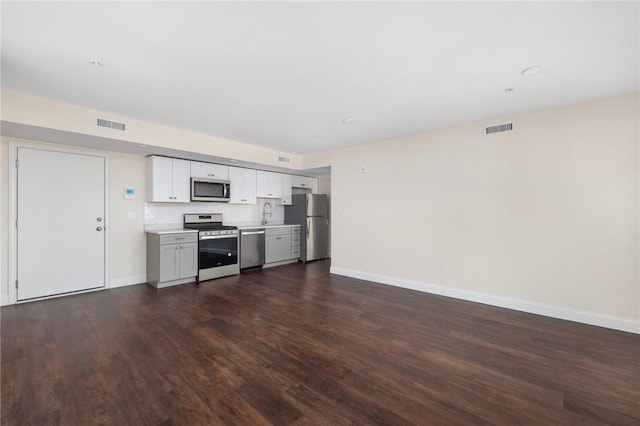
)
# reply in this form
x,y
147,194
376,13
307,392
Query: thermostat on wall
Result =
x,y
129,193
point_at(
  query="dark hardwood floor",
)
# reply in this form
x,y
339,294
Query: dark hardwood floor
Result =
x,y
296,345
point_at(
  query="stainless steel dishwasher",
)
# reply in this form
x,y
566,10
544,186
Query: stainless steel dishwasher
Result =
x,y
251,247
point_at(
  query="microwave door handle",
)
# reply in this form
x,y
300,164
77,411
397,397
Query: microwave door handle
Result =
x,y
226,190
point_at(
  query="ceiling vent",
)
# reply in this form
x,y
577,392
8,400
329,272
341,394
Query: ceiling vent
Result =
x,y
498,128
101,122
283,159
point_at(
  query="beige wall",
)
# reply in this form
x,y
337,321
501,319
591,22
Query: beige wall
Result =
x,y
546,214
127,244
33,111
127,240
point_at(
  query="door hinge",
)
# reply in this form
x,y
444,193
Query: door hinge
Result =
x,y
17,162
16,283
16,223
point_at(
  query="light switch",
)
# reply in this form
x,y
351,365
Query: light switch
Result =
x,y
131,215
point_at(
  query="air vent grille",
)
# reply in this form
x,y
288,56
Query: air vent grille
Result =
x,y
498,128
101,122
283,159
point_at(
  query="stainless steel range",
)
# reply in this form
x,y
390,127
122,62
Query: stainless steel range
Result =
x,y
217,245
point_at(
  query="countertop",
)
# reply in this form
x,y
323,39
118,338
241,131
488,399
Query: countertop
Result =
x,y
263,226
170,231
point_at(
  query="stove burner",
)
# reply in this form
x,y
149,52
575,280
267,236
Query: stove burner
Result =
x,y
208,224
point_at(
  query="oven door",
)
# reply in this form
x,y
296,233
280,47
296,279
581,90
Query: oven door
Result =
x,y
218,250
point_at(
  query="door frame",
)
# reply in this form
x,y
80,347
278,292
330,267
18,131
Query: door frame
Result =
x,y
13,213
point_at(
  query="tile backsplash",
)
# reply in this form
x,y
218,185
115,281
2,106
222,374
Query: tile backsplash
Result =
x,y
170,214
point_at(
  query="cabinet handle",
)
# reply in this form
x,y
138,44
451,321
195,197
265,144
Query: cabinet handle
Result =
x,y
302,184
270,194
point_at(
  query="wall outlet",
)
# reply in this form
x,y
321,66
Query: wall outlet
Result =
x,y
131,215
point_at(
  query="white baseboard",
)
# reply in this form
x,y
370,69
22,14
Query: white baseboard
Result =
x,y
122,282
591,318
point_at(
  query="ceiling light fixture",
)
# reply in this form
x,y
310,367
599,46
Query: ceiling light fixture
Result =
x,y
348,121
531,71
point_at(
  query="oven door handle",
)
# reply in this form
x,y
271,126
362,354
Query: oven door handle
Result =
x,y
218,237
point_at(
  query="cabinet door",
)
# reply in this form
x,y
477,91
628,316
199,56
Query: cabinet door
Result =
x,y
301,182
201,170
243,185
218,171
169,266
209,170
269,184
249,186
262,184
160,179
181,181
286,190
188,260
270,249
284,247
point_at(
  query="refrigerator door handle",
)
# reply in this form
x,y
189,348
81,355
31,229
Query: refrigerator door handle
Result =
x,y
308,227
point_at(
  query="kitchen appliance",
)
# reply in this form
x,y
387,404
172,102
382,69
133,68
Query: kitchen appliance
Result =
x,y
252,247
203,189
217,245
311,212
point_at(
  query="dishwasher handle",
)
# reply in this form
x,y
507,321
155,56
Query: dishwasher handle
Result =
x,y
252,233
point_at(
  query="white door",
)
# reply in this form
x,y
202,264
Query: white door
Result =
x,y
61,212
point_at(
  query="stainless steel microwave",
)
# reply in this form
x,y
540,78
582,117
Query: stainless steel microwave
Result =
x,y
210,190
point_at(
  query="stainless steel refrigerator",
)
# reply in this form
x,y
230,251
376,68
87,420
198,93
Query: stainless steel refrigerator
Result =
x,y
311,212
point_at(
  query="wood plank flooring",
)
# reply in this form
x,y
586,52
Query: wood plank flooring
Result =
x,y
295,345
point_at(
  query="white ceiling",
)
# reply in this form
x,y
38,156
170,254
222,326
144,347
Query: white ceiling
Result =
x,y
286,75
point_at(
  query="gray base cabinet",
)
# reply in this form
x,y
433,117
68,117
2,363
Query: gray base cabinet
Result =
x,y
172,259
282,245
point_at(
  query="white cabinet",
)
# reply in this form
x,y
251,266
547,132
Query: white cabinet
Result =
x,y
243,185
305,182
209,170
277,245
168,180
269,184
172,258
286,190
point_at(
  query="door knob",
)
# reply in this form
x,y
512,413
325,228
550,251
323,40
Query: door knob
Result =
x,y
99,228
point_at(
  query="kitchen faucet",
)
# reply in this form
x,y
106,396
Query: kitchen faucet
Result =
x,y
264,212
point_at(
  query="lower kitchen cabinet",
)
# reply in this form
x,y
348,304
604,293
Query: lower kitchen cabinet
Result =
x,y
278,245
172,259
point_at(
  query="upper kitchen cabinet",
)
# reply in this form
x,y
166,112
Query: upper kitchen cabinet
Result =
x,y
305,182
208,170
168,180
286,190
243,185
269,184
